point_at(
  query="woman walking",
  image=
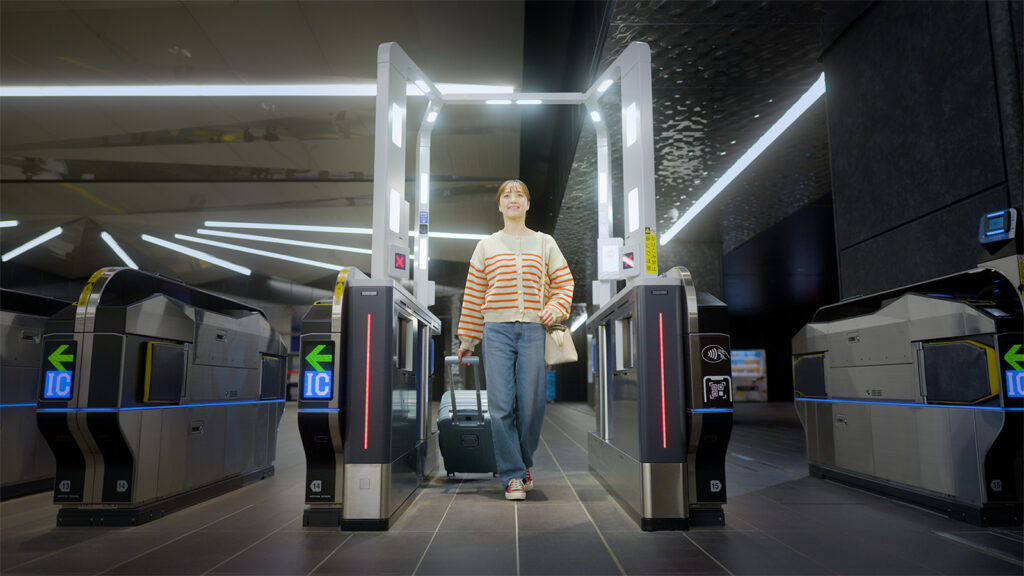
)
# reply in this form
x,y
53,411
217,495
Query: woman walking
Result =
x,y
518,284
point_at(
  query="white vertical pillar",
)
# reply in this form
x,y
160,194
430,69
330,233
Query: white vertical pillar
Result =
x,y
390,209
638,161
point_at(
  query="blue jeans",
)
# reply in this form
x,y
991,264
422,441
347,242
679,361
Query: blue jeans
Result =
x,y
513,358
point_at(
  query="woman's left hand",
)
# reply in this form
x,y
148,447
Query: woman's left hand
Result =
x,y
547,317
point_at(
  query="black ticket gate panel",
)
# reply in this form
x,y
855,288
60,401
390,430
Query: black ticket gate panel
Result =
x,y
362,421
664,402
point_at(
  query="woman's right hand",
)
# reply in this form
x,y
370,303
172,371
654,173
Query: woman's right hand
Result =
x,y
463,352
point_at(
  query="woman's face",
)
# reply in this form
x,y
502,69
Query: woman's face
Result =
x,y
513,203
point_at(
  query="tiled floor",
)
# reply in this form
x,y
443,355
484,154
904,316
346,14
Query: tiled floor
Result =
x,y
778,521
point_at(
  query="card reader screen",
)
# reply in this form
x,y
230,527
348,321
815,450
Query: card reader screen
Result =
x,y
996,225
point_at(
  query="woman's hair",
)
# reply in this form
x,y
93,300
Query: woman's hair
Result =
x,y
512,185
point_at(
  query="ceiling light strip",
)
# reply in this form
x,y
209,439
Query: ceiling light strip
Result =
x,y
33,243
258,252
801,106
333,229
118,250
197,254
8,223
291,227
216,90
288,241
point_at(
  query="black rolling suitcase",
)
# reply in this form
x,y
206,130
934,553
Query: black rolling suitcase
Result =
x,y
464,424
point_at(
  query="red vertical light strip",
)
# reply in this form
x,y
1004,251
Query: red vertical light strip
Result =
x,y
366,392
661,353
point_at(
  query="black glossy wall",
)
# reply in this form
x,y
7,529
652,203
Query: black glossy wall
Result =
x,y
924,116
775,282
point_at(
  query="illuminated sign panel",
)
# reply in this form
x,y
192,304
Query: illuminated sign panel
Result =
x,y
1014,383
58,369
317,376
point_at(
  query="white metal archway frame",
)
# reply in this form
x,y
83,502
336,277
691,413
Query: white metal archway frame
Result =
x,y
626,258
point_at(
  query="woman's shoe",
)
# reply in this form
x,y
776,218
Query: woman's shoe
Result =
x,y
515,490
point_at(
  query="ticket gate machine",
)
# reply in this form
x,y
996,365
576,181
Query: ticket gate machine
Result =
x,y
918,392
664,402
364,402
155,395
26,463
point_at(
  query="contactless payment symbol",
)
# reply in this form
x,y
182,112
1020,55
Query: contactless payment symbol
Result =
x,y
316,377
58,371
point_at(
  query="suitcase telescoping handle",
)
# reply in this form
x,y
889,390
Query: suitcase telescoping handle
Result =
x,y
452,363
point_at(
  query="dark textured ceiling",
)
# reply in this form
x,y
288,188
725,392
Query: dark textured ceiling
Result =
x,y
723,73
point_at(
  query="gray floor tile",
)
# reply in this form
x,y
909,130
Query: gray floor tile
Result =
x,y
104,550
610,517
563,553
367,554
660,553
480,517
475,553
284,553
421,517
754,553
554,518
848,552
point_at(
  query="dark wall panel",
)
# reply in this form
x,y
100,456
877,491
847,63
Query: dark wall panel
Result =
x,y
913,117
941,243
921,139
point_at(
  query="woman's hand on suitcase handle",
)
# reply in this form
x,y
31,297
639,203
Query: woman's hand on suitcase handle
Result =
x,y
463,352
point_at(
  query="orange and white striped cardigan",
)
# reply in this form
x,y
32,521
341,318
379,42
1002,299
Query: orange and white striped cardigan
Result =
x,y
506,283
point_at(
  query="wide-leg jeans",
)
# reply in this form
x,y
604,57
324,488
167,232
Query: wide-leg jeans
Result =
x,y
513,355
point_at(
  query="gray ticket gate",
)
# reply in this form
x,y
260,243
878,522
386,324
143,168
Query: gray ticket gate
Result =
x,y
918,393
664,402
155,395
364,403
26,463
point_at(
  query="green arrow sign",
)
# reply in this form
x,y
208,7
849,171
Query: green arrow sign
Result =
x,y
1012,358
315,358
57,357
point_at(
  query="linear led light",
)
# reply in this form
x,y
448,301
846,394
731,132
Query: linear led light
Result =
x,y
33,243
292,227
604,85
8,223
208,90
197,254
795,111
529,101
117,250
330,229
452,235
431,116
498,102
595,115
288,241
579,322
258,252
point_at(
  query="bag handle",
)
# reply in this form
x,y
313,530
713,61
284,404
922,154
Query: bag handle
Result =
x,y
452,363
